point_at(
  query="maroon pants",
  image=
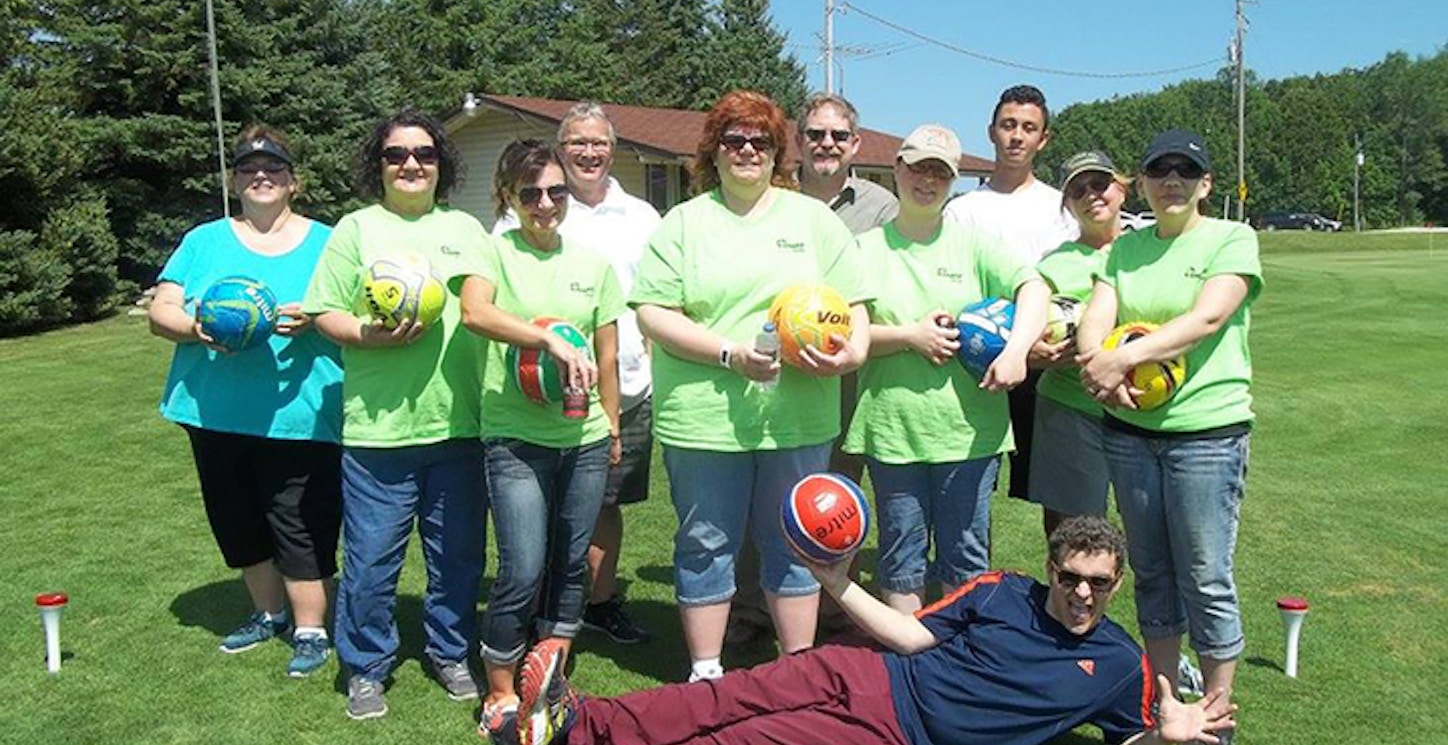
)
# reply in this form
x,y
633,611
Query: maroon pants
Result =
x,y
832,695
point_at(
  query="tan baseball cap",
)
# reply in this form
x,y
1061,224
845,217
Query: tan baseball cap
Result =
x,y
932,141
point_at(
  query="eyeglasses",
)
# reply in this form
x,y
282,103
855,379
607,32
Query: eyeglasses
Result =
x,y
270,169
932,168
838,135
530,196
397,155
1161,167
1096,183
582,143
761,143
1071,581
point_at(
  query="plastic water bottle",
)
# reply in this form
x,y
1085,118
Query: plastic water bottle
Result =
x,y
767,343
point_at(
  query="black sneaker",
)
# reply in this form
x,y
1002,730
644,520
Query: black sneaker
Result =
x,y
611,619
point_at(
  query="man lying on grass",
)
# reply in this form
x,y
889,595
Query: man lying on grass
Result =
x,y
1003,660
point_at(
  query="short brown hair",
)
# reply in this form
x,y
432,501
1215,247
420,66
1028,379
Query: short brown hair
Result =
x,y
749,108
520,163
1086,534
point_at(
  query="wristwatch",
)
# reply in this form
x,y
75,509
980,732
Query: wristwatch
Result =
x,y
724,356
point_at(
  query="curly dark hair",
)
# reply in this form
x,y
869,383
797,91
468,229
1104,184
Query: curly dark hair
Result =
x,y
367,170
519,165
1024,94
1086,534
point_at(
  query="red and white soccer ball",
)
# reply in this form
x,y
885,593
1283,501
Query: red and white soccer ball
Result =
x,y
826,517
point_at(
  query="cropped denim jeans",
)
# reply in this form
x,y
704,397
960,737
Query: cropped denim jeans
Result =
x,y
947,504
1180,501
545,504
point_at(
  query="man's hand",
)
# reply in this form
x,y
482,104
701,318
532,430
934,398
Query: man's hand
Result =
x,y
1196,722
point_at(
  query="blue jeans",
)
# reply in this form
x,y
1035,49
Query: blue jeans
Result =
x,y
545,505
1180,501
383,491
716,495
948,503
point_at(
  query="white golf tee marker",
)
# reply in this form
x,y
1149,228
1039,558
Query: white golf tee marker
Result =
x,y
1293,610
50,605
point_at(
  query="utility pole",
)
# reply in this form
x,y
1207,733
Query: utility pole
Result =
x,y
1357,172
216,108
1237,54
829,47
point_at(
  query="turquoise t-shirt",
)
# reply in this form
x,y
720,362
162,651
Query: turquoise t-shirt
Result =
x,y
1157,280
572,283
287,389
910,410
426,391
1071,270
723,271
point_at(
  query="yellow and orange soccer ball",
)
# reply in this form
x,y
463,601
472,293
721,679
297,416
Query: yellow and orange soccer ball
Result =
x,y
1157,381
809,315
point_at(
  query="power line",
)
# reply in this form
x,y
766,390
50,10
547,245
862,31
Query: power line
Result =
x,y
1019,65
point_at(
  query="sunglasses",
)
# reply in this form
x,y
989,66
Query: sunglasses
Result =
x,y
270,169
1094,184
1186,169
761,144
932,168
1071,581
838,135
397,155
530,196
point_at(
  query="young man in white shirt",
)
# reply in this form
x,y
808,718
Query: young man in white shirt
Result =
x,y
1026,216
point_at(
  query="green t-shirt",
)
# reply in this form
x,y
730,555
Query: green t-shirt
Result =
x,y
1157,280
572,283
910,410
723,271
426,391
1071,270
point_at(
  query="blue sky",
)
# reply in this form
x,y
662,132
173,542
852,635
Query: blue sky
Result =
x,y
908,82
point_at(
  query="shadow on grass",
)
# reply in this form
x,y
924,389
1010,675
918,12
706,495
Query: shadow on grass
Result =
x,y
1264,662
220,607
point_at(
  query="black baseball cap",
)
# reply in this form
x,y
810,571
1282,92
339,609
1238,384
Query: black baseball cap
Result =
x,y
1183,142
260,146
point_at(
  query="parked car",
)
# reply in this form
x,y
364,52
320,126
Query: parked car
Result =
x,y
1270,221
1137,221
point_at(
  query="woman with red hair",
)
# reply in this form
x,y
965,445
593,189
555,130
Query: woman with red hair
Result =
x,y
737,429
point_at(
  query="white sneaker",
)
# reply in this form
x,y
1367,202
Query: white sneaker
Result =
x,y
713,673
1189,679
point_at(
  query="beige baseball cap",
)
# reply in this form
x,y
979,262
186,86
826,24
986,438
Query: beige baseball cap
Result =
x,y
932,141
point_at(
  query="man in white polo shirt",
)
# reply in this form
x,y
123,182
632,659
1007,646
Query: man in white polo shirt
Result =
x,y
1027,216
617,225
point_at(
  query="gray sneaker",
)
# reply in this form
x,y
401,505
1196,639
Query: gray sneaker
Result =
x,y
457,679
1189,679
364,698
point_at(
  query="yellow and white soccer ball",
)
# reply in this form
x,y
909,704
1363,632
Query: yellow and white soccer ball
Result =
x,y
402,288
1063,314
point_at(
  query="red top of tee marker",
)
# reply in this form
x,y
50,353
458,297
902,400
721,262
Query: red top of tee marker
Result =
x,y
1291,603
51,599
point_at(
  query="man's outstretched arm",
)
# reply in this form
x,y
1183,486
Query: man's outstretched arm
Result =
x,y
1197,722
900,631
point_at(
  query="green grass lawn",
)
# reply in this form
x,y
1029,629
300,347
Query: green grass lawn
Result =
x,y
1345,506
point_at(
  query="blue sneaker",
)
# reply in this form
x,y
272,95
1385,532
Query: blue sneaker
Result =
x,y
309,653
257,629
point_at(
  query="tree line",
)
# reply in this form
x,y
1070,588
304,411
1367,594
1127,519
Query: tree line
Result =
x,y
1301,133
108,145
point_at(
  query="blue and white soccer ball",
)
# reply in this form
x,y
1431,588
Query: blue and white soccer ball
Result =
x,y
238,312
985,327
